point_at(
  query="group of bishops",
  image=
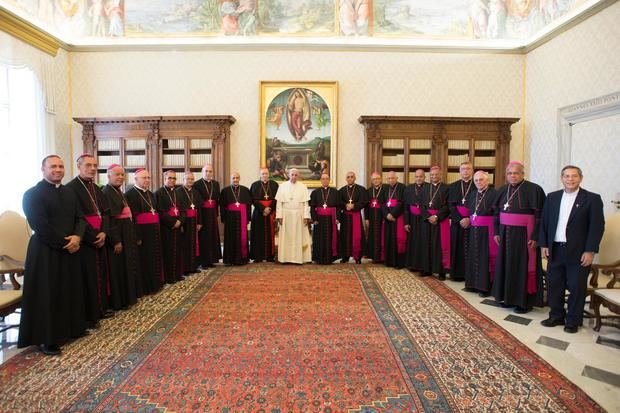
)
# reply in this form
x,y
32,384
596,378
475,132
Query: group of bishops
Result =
x,y
97,250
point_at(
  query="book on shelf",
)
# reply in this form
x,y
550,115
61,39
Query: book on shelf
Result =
x,y
201,143
107,160
420,144
176,143
108,145
135,160
393,144
453,176
485,161
394,160
457,160
419,159
135,144
171,160
102,178
485,145
458,144
200,159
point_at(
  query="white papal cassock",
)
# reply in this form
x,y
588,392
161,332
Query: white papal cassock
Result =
x,y
294,241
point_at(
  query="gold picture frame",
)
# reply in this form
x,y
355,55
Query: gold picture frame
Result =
x,y
299,129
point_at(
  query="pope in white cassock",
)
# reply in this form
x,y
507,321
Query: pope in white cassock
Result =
x,y
293,215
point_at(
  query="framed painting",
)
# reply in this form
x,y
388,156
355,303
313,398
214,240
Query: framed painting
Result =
x,y
299,129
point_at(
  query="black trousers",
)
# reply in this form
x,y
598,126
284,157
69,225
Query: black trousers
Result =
x,y
562,275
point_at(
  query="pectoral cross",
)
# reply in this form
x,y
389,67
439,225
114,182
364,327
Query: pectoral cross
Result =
x,y
430,204
237,204
176,211
324,206
389,203
266,196
153,211
473,217
210,201
350,201
374,204
463,201
506,206
192,206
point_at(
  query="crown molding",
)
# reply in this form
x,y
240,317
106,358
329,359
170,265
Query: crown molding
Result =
x,y
28,33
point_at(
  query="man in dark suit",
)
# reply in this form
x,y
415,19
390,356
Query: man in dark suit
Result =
x,y
571,230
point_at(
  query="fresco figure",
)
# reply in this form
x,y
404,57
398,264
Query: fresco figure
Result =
x,y
354,17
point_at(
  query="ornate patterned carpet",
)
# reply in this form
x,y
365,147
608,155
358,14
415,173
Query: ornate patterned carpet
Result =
x,y
275,339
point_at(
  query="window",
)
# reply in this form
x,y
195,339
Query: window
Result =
x,y
22,134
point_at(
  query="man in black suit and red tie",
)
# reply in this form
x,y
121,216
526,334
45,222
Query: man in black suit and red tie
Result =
x,y
571,230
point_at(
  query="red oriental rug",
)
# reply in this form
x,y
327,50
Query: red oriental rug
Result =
x,y
266,338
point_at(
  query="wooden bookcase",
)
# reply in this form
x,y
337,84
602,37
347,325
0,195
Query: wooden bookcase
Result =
x,y
159,143
405,143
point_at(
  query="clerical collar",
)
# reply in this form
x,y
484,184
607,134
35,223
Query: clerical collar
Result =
x,y
140,188
572,193
325,187
437,184
52,183
351,186
87,180
188,188
168,188
517,184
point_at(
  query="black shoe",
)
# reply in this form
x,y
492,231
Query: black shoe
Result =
x,y
442,277
271,259
107,314
484,294
358,261
570,329
469,289
522,310
400,267
50,349
552,322
92,325
425,274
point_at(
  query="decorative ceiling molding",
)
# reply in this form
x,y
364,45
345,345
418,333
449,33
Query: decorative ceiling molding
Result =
x,y
28,33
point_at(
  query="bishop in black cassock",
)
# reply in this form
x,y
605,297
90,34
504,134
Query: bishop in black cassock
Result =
x,y
518,272
93,254
262,246
325,204
374,219
235,209
171,217
148,236
190,201
209,235
414,224
395,236
53,300
459,216
480,269
435,214
351,237
125,281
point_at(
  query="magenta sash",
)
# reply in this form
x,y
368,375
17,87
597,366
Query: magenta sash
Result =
x,y
357,233
331,211
375,204
209,204
415,210
125,213
401,234
488,221
444,236
463,210
146,218
94,221
242,208
528,221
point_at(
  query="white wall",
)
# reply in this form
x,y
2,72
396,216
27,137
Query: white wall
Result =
x,y
580,64
227,82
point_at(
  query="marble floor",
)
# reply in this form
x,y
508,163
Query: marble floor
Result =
x,y
589,359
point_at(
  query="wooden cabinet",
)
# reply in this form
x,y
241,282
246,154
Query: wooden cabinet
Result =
x,y
159,143
405,143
